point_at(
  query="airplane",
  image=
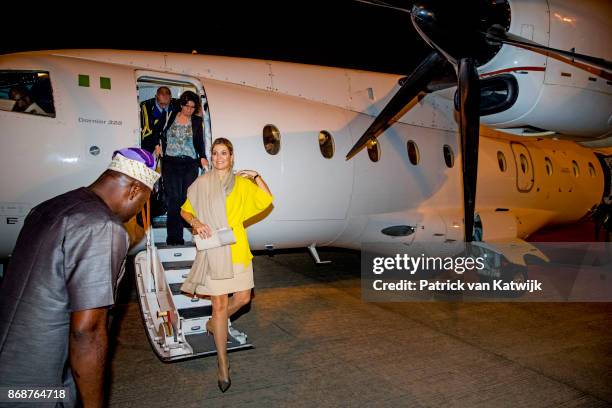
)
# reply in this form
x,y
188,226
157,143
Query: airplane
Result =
x,y
532,129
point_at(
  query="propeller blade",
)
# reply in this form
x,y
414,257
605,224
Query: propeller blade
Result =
x,y
447,78
378,3
468,88
414,84
497,34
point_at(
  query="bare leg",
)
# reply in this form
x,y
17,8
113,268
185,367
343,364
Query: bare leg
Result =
x,y
219,326
238,300
234,304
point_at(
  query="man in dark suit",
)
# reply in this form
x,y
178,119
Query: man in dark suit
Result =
x,y
154,115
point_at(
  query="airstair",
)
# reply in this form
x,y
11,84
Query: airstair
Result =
x,y
175,323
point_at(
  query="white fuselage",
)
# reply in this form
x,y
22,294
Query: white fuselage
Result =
x,y
316,200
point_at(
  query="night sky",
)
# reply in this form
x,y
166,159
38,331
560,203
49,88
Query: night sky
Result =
x,y
340,33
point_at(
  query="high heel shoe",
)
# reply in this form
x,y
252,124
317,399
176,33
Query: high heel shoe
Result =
x,y
224,384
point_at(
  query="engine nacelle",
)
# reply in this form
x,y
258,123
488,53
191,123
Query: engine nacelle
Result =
x,y
548,94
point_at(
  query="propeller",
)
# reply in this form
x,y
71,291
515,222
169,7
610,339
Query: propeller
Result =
x,y
410,87
425,78
468,89
467,35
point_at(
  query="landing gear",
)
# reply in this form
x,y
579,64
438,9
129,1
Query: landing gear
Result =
x,y
498,268
315,254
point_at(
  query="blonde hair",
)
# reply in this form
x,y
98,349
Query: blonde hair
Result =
x,y
225,142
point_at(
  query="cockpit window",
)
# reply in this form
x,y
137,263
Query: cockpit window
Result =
x,y
27,92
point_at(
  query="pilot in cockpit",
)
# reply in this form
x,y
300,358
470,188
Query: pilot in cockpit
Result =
x,y
23,101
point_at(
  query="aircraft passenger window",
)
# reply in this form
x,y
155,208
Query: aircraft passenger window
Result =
x,y
501,161
449,156
591,170
26,92
549,166
373,150
326,144
575,168
413,152
524,163
271,139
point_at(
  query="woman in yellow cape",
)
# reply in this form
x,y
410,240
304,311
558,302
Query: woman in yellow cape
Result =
x,y
221,199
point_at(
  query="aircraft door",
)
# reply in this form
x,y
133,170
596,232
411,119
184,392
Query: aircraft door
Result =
x,y
149,81
525,176
207,126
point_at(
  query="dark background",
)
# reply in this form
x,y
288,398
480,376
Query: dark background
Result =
x,y
342,33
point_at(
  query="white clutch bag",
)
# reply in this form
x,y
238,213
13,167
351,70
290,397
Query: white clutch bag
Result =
x,y
221,237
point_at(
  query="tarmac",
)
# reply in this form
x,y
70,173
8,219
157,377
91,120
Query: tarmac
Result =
x,y
317,343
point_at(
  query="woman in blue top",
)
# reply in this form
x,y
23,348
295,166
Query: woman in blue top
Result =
x,y
184,152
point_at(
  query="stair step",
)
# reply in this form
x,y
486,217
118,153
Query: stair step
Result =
x,y
160,234
175,288
176,275
163,245
204,345
185,301
193,312
177,265
159,222
194,325
176,254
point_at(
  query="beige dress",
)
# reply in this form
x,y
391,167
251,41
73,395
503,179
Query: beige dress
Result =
x,y
242,280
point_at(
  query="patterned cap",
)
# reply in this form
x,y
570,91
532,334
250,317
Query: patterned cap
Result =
x,y
136,163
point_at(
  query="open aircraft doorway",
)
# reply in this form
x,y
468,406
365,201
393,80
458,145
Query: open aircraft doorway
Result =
x,y
148,82
175,323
